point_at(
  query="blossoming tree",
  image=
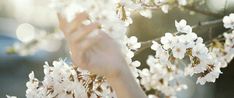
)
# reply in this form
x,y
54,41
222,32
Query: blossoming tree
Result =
x,y
176,54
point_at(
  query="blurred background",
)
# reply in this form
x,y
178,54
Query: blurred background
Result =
x,y
14,69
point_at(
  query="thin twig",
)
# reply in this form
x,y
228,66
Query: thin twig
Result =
x,y
193,8
210,33
145,45
206,23
225,7
220,36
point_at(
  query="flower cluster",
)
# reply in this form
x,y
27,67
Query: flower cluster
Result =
x,y
132,45
184,53
101,11
221,53
161,78
229,21
64,81
144,7
163,66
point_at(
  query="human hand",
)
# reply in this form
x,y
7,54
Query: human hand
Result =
x,y
99,54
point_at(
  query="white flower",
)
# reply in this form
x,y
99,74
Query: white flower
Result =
x,y
210,77
196,68
179,50
163,57
162,3
219,56
165,8
124,13
199,40
161,54
168,41
129,54
151,61
229,21
229,43
213,70
200,51
145,75
31,75
136,63
134,69
132,43
182,26
146,13
189,39
155,46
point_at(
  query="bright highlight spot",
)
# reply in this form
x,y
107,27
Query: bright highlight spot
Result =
x,y
25,32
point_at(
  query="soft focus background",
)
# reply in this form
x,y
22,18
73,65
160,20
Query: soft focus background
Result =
x,y
14,69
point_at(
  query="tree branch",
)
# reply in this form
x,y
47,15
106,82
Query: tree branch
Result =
x,y
206,23
207,13
147,44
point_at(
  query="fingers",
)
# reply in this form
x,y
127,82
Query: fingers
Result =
x,y
77,34
80,35
71,27
79,43
77,22
62,21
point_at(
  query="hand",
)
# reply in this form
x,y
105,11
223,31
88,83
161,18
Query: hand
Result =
x,y
99,54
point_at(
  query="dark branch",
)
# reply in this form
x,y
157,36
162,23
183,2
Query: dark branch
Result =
x,y
207,13
206,23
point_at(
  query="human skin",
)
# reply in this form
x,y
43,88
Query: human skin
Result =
x,y
99,54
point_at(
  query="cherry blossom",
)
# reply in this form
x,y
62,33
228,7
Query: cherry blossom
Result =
x,y
146,13
60,81
179,50
165,8
182,26
210,76
168,41
176,55
132,43
229,21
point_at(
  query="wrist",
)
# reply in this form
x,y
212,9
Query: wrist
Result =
x,y
118,75
125,85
